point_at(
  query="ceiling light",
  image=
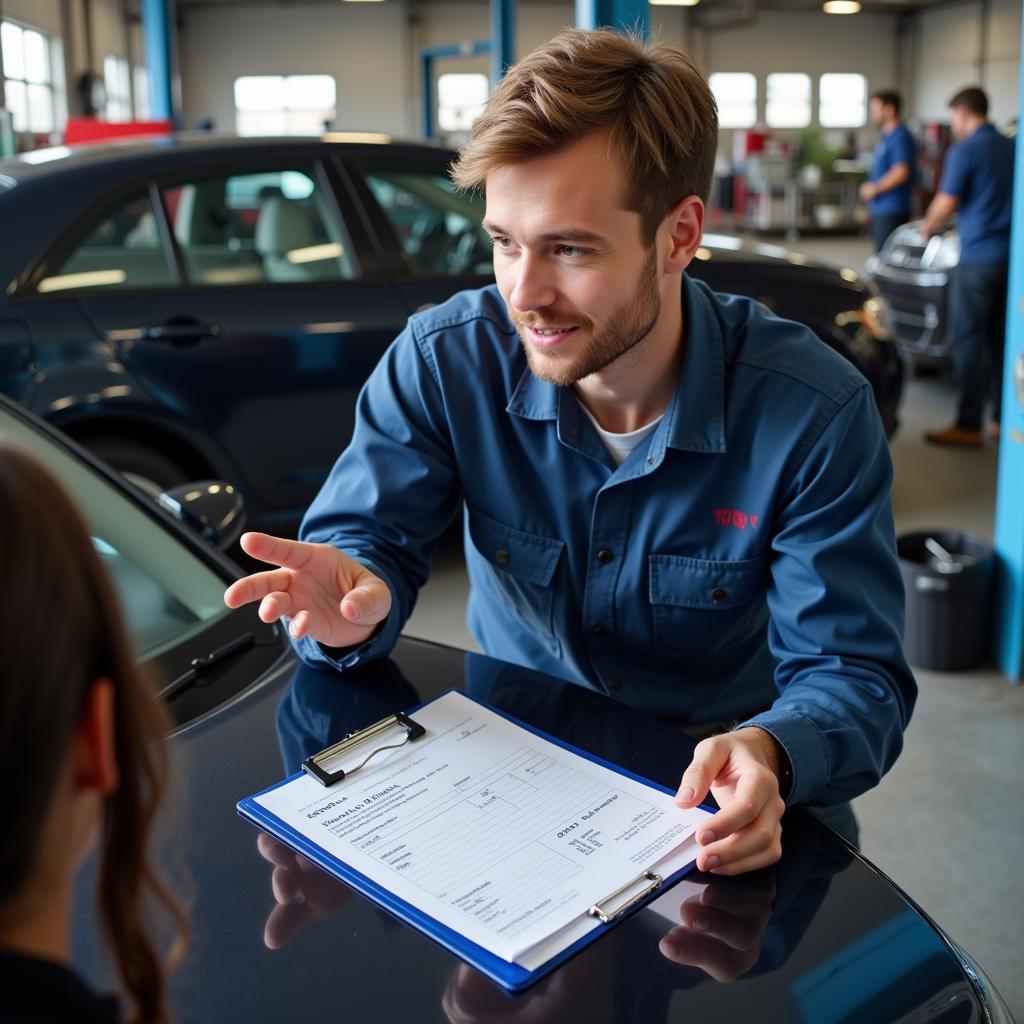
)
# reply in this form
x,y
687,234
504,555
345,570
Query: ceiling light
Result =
x,y
673,3
841,7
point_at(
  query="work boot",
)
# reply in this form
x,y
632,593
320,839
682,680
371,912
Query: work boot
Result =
x,y
955,436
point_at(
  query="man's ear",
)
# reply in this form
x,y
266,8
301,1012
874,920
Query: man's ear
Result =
x,y
683,228
93,747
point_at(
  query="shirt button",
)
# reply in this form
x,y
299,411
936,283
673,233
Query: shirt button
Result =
x,y
501,556
599,631
614,682
604,556
718,595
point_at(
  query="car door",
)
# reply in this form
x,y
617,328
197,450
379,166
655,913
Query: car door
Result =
x,y
428,230
276,317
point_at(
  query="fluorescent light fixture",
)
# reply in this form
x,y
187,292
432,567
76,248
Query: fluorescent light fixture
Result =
x,y
376,138
313,253
841,7
89,279
673,3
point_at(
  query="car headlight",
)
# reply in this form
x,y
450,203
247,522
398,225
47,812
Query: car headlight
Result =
x,y
942,251
874,318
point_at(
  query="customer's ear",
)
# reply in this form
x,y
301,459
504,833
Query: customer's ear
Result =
x,y
682,228
94,749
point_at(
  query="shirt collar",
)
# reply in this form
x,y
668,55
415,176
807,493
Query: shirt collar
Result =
x,y
695,418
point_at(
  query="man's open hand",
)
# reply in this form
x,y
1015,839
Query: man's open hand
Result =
x,y
327,595
741,769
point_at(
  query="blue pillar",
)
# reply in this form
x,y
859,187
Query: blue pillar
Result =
x,y
1010,492
623,15
503,38
157,22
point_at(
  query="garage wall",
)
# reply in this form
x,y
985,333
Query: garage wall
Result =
x,y
352,42
948,46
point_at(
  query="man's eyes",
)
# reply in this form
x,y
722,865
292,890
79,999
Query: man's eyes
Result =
x,y
571,251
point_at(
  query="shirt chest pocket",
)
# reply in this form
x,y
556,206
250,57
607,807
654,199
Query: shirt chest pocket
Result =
x,y
519,569
700,606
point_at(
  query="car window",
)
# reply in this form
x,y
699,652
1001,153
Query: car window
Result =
x,y
123,250
273,226
437,226
166,593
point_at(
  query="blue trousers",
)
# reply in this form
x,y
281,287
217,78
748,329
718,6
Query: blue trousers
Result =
x,y
978,325
884,224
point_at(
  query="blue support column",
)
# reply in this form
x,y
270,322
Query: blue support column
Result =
x,y
503,38
1010,493
157,22
427,57
622,15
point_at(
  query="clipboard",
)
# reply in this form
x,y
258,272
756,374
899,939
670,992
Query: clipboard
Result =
x,y
618,905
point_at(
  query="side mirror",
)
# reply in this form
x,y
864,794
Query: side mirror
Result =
x,y
212,508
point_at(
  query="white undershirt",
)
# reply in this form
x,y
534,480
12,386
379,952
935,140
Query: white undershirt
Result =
x,y
620,445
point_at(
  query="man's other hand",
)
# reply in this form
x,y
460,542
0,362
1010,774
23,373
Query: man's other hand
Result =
x,y
327,595
741,769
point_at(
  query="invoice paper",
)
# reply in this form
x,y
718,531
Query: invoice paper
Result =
x,y
497,833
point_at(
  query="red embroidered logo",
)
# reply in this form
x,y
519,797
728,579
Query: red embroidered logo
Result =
x,y
733,517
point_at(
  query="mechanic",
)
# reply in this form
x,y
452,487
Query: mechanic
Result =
x,y
977,185
889,189
670,495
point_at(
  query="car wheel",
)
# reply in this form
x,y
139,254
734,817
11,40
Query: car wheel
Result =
x,y
151,471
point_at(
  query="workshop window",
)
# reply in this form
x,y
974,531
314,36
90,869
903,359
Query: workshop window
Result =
x,y
284,104
28,78
788,100
118,87
460,98
842,101
736,95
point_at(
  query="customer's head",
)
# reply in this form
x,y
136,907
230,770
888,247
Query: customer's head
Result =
x,y
595,153
968,108
884,107
79,730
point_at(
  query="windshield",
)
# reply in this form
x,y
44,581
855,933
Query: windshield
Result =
x,y
166,593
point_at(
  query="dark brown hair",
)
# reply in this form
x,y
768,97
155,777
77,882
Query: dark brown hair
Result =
x,y
888,98
60,631
650,99
973,100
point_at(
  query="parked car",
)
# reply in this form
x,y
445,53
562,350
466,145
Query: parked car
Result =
x,y
194,307
821,936
913,276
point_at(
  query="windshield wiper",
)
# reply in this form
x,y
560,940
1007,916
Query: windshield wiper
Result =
x,y
200,667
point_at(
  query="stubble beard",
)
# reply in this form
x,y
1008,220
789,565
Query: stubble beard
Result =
x,y
627,326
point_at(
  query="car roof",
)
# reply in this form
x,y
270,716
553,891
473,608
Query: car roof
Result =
x,y
186,146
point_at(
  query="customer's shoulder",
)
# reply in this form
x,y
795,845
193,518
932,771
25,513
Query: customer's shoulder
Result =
x,y
775,351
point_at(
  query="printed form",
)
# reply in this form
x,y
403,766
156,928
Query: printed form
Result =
x,y
495,832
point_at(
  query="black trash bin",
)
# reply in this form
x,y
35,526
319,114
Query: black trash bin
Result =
x,y
948,576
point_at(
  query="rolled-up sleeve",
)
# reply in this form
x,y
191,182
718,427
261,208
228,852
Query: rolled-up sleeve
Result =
x,y
392,492
836,608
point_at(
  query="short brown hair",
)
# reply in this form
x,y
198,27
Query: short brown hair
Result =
x,y
651,99
888,98
972,99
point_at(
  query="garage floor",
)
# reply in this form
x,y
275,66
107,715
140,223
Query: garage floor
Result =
x,y
946,823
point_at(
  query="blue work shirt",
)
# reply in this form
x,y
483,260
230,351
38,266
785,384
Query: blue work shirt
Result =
x,y
894,147
979,173
739,564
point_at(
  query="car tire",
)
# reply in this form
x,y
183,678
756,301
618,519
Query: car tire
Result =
x,y
150,470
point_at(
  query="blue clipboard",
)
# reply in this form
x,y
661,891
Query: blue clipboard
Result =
x,y
511,976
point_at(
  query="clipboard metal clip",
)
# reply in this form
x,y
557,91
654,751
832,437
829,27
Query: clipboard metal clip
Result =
x,y
315,765
606,916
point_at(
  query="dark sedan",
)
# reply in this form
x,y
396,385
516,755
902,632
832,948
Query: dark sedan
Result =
x,y
822,936
193,307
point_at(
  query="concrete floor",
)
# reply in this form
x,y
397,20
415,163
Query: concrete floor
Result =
x,y
946,823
